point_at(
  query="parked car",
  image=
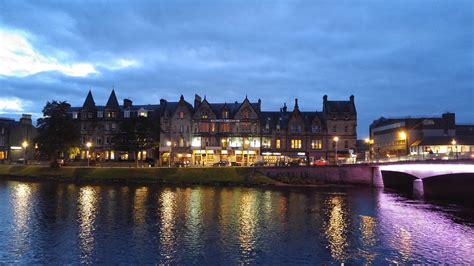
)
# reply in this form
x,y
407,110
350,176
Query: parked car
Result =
x,y
260,163
294,163
222,163
319,163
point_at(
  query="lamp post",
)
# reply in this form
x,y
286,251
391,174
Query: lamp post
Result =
x,y
24,145
336,139
404,136
369,142
168,143
453,142
89,145
247,142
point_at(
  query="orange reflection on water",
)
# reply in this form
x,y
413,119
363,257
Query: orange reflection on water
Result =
x,y
21,207
247,222
367,229
139,208
404,247
168,216
88,199
336,229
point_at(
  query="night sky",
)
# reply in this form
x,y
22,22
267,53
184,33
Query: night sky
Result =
x,y
398,58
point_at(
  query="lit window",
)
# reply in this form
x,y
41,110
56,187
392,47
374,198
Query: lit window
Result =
x,y
143,113
277,144
296,144
225,114
74,115
316,144
204,116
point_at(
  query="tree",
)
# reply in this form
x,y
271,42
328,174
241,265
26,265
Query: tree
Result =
x,y
57,132
137,134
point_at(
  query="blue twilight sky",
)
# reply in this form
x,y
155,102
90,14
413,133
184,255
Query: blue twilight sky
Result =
x,y
398,58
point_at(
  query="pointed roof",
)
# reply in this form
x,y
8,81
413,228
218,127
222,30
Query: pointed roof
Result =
x,y
112,103
89,102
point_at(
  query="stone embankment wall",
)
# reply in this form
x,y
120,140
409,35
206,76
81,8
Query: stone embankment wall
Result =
x,y
346,174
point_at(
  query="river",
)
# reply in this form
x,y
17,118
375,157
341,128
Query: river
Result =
x,y
57,223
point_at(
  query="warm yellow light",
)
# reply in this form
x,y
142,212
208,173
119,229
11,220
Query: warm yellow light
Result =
x,y
247,142
168,143
453,142
336,139
24,144
223,140
89,144
403,135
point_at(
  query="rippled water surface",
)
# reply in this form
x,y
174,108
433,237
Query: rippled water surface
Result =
x,y
65,223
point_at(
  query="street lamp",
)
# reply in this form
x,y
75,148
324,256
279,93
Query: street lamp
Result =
x,y
89,145
453,142
404,136
369,142
168,143
336,139
24,145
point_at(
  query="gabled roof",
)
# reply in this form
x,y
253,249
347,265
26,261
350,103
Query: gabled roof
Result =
x,y
112,102
89,102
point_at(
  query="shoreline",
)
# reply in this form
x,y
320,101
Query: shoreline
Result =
x,y
228,176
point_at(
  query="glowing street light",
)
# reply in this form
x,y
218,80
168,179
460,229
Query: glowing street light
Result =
x,y
369,142
453,142
24,145
404,136
168,143
89,145
336,139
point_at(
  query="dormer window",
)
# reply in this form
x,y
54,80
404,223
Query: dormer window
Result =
x,y
246,114
100,114
225,114
204,116
181,115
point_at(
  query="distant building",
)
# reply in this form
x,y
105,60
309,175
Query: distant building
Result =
x,y
421,138
16,139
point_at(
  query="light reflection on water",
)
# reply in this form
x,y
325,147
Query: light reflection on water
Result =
x,y
65,223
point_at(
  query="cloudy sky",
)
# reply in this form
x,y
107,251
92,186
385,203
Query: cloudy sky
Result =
x,y
398,58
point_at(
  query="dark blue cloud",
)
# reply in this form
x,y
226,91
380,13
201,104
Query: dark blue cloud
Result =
x,y
398,58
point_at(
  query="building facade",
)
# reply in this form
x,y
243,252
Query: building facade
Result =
x,y
203,133
421,138
17,139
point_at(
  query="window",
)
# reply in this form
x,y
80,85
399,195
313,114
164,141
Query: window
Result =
x,y
225,127
114,126
334,129
278,128
99,141
143,113
346,144
346,116
84,140
299,129
126,114
213,127
181,129
84,127
315,128
107,126
181,142
334,116
225,114
296,144
89,115
181,115
74,115
204,116
267,143
246,113
100,114
277,144
203,127
316,144
345,129
107,140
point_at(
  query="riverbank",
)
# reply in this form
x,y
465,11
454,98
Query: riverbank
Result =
x,y
201,176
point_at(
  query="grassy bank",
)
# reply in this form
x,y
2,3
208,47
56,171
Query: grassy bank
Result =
x,y
229,175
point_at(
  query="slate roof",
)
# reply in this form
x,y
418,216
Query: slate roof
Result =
x,y
340,107
89,102
112,102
